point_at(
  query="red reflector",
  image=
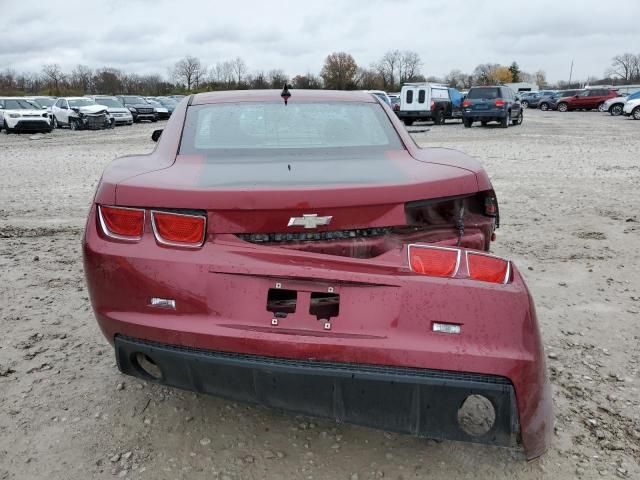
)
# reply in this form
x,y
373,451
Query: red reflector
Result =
x,y
466,103
499,102
125,223
437,262
487,269
178,229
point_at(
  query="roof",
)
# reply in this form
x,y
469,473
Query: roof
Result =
x,y
274,96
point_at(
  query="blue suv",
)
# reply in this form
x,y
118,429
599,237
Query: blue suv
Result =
x,y
491,104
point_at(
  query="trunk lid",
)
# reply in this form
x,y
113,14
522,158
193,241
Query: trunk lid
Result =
x,y
258,196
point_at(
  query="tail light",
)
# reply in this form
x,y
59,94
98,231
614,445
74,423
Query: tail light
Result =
x,y
434,261
178,230
450,262
499,102
490,207
121,223
433,104
487,268
466,103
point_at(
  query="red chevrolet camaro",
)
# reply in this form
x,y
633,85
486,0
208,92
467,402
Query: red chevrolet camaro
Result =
x,y
298,250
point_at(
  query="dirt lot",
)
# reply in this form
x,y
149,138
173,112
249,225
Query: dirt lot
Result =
x,y
568,186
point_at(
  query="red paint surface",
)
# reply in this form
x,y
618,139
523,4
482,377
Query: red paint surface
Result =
x,y
386,312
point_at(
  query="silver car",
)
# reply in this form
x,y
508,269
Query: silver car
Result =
x,y
116,109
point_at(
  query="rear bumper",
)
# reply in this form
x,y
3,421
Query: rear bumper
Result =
x,y
422,402
417,114
489,115
385,320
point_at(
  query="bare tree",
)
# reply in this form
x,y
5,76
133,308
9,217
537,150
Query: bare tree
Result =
x,y
410,64
81,78
306,81
277,78
188,70
624,66
54,76
339,71
541,78
239,69
369,79
388,67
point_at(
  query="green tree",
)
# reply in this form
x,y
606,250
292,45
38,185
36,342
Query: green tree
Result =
x,y
339,71
515,72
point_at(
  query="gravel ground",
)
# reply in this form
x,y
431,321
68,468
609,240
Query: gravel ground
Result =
x,y
569,199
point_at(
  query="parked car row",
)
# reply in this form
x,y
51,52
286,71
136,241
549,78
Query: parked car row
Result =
x,y
42,114
499,103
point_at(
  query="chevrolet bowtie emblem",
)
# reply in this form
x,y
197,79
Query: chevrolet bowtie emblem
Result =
x,y
311,220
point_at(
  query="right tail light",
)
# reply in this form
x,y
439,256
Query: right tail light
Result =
x,y
452,262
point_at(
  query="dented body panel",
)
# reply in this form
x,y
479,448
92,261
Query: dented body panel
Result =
x,y
342,295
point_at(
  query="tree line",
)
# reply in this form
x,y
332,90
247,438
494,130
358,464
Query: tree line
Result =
x,y
339,71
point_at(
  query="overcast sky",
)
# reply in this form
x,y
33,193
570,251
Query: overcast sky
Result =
x,y
148,36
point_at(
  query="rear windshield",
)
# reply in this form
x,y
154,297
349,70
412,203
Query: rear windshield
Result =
x,y
264,129
109,102
488,93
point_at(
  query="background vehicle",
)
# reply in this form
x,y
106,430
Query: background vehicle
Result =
x,y
550,102
162,113
139,108
46,103
18,114
615,105
382,94
120,114
632,108
395,103
529,99
590,99
491,104
426,101
169,103
80,113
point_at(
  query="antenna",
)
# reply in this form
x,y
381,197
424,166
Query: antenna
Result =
x,y
285,93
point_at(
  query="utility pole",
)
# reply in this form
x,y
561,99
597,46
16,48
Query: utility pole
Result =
x,y
570,73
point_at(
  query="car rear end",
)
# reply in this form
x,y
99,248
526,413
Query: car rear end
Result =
x,y
263,275
485,104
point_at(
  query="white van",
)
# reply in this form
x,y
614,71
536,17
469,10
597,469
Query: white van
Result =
x,y
424,101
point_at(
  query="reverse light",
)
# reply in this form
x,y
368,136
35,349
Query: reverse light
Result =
x,y
178,230
487,268
499,102
434,261
446,328
121,223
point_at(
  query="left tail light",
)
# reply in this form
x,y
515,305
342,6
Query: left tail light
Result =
x,y
179,230
121,223
466,103
499,102
451,262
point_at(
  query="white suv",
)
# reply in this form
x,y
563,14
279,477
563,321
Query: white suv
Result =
x,y
19,114
79,113
632,109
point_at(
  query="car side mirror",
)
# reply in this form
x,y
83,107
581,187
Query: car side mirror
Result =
x,y
156,135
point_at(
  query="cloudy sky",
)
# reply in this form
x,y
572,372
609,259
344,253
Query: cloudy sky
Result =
x,y
148,36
